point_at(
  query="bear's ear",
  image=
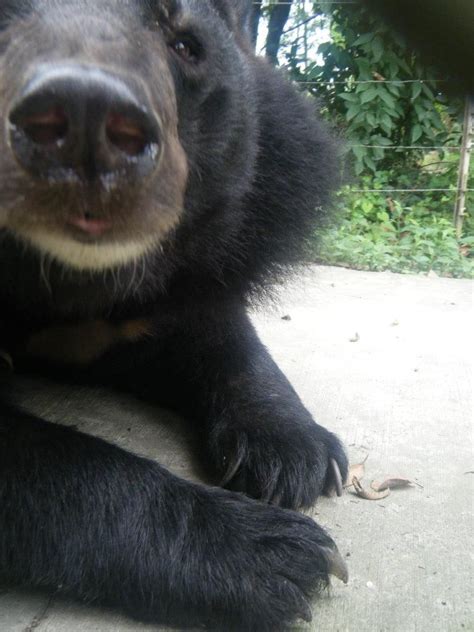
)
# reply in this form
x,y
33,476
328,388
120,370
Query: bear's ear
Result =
x,y
237,15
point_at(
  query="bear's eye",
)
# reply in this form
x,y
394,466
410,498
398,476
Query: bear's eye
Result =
x,y
186,47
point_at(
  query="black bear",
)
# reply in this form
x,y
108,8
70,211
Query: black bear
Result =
x,y
155,179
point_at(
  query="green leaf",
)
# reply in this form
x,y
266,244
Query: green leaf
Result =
x,y
365,69
415,91
387,121
394,89
404,66
363,39
359,152
420,110
387,98
349,96
359,167
370,163
381,140
371,120
416,133
352,111
377,48
369,94
427,91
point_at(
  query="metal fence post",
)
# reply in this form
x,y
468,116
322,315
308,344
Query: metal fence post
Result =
x,y
466,148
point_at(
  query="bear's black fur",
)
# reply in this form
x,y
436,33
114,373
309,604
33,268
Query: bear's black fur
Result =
x,y
243,178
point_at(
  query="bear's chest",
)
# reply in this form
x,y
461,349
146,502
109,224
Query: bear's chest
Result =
x,y
77,345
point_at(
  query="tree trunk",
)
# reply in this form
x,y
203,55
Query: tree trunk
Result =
x,y
278,19
255,20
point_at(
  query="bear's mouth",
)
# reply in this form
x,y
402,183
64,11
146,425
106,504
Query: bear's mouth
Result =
x,y
88,225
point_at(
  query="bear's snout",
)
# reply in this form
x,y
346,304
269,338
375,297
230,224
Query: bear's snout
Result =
x,y
75,121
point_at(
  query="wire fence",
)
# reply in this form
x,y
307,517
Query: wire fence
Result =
x,y
453,191
312,2
467,139
355,82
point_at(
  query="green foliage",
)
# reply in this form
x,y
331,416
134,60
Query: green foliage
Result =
x,y
367,83
399,232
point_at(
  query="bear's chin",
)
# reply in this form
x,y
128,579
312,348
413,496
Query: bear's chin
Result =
x,y
96,256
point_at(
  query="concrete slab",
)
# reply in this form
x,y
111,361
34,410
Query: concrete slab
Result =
x,y
385,361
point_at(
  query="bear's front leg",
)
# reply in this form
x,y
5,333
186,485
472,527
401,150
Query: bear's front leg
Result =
x,y
102,525
257,437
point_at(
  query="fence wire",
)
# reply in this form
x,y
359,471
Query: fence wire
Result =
x,y
356,82
303,2
408,190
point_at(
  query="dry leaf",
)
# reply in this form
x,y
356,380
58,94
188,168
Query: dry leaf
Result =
x,y
367,493
391,483
357,470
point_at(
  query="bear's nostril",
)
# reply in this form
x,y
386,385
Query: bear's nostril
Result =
x,y
73,121
126,134
46,128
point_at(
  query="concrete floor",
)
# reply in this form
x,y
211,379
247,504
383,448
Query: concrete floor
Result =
x,y
385,361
